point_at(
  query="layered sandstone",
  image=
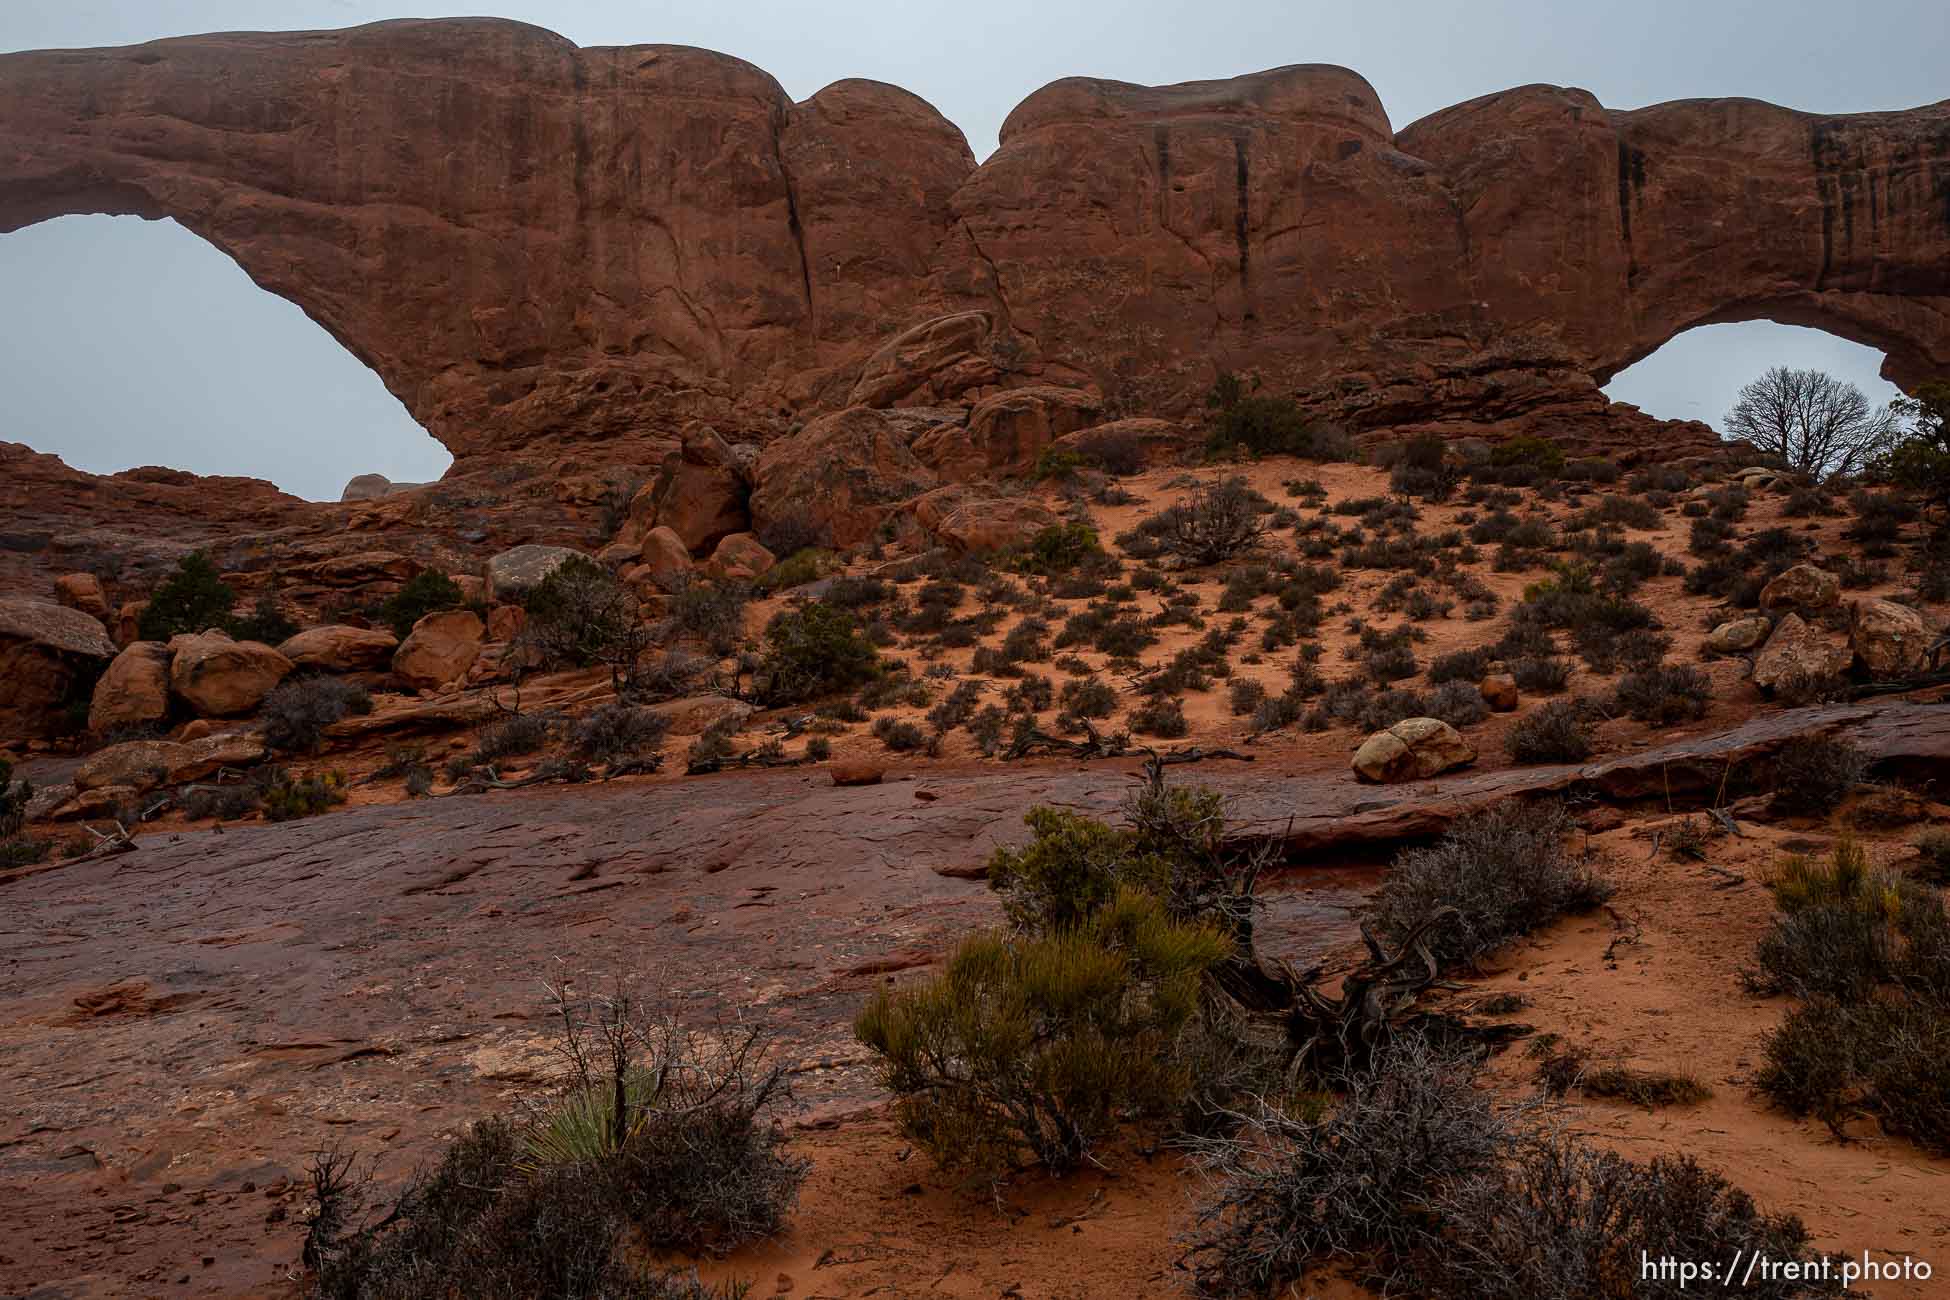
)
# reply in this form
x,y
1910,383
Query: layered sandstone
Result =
x,y
547,251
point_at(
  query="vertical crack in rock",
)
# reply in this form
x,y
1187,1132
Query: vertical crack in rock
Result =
x,y
1242,178
793,225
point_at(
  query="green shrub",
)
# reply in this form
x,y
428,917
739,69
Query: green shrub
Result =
x,y
286,798
710,612
266,623
1162,718
1059,549
1044,1044
426,592
1528,450
580,615
194,598
810,651
1274,426
1056,463
1870,952
901,737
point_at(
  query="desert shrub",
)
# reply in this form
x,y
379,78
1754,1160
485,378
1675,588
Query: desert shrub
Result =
x,y
1460,666
1659,478
713,745
1216,522
286,797
664,1141
194,598
1933,857
1506,872
580,615
1773,549
1665,694
1244,696
795,569
1870,952
1728,503
956,708
1163,718
1558,731
518,733
1043,1044
1591,470
14,797
1540,674
426,592
267,622
617,730
900,736
1811,775
296,713
1628,512
851,593
1418,1184
1089,697
812,650
1528,450
1274,426
1460,704
1059,549
1387,656
711,613
226,802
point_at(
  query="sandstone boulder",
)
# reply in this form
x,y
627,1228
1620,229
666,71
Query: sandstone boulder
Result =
x,y
838,477
440,649
698,493
138,764
82,591
698,714
370,487
339,648
993,524
514,573
740,556
1738,636
1891,640
134,689
857,772
1798,652
505,622
666,557
45,649
221,678
1007,432
934,361
128,621
1129,446
1499,691
1802,587
1412,750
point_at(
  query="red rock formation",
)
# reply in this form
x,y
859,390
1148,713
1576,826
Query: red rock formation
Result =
x,y
537,244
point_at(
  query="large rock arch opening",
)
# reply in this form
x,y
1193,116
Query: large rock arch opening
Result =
x,y
136,343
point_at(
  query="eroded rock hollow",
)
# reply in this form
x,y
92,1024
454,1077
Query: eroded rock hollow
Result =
x,y
538,246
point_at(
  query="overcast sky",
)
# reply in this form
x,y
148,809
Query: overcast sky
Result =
x,y
126,343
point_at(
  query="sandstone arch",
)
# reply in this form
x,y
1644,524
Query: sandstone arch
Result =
x,y
533,243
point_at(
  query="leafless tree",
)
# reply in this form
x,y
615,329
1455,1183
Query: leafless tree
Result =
x,y
1816,423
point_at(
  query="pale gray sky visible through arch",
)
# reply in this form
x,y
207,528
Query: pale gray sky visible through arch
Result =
x,y
126,343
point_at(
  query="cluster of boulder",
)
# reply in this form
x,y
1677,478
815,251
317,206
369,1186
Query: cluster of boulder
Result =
x,y
840,479
1790,639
